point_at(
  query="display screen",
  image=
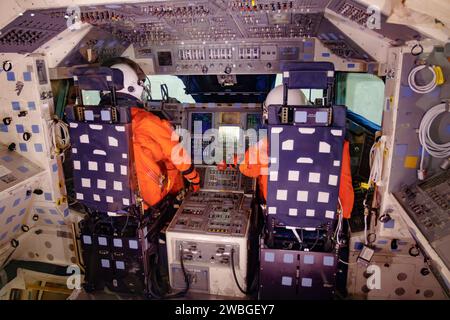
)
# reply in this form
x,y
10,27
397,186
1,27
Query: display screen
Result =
x,y
229,133
254,121
204,118
230,118
165,58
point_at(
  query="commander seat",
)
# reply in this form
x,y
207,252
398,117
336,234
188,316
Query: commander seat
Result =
x,y
102,149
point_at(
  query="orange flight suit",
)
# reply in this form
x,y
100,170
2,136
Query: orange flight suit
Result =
x,y
346,194
158,173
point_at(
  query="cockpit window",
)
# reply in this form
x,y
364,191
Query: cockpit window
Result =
x,y
311,94
174,84
91,97
363,94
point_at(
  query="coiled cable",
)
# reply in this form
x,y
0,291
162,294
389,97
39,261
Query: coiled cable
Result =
x,y
60,136
434,149
421,89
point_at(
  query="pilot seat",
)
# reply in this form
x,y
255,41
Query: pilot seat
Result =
x,y
117,235
299,254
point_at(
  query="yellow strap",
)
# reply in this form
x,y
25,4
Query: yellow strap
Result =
x,y
439,75
364,185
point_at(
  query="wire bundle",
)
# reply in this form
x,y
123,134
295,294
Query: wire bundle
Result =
x,y
60,136
376,161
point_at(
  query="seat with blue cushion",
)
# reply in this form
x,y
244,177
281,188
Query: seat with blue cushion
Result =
x,y
306,144
305,152
102,149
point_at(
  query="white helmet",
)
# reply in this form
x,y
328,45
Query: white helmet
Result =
x,y
131,81
295,97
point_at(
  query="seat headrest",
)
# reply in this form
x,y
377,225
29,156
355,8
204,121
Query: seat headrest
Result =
x,y
98,78
308,75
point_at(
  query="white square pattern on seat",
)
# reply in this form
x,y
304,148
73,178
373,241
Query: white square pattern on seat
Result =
x,y
306,183
102,166
282,194
109,167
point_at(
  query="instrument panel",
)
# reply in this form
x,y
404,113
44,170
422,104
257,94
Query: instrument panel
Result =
x,y
213,213
229,122
233,56
428,205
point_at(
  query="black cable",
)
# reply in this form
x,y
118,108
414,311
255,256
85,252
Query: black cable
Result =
x,y
186,276
175,295
152,281
317,240
234,274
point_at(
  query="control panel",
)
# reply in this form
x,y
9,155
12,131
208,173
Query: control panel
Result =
x,y
213,213
209,235
236,126
428,205
206,252
232,56
223,180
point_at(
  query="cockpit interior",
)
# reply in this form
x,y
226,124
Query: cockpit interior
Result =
x,y
224,149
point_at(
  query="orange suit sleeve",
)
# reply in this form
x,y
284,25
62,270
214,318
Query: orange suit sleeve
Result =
x,y
255,160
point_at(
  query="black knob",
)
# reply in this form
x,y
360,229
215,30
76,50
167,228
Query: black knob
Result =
x,y
7,66
227,70
7,121
424,271
414,251
394,244
12,147
205,69
385,218
14,243
25,228
35,217
26,136
23,113
38,191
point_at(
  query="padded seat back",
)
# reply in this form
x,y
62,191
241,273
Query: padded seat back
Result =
x,y
102,149
306,145
102,155
303,182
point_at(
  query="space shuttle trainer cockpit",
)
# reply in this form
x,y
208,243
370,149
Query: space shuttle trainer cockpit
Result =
x,y
231,150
